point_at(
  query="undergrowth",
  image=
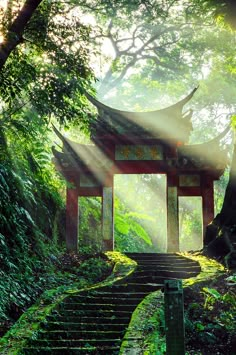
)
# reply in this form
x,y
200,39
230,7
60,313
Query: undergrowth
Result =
x,y
210,317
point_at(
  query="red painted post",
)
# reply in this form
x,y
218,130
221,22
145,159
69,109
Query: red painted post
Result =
x,y
72,219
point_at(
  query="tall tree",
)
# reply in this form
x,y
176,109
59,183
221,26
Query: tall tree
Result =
x,y
15,30
50,67
155,52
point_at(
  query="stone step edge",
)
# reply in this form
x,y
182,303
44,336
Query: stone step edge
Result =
x,y
36,314
209,269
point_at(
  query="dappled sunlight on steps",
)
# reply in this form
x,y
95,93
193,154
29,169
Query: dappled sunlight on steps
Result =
x,y
95,321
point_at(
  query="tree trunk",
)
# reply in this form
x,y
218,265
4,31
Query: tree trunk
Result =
x,y
227,216
220,237
16,29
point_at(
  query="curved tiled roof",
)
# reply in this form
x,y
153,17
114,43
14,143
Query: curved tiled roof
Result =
x,y
167,123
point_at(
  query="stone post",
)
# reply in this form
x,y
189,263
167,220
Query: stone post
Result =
x,y
172,216
174,317
108,218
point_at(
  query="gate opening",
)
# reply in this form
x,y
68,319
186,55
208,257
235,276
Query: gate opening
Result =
x,y
140,213
89,225
190,223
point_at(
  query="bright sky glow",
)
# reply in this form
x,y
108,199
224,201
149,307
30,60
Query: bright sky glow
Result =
x,y
3,4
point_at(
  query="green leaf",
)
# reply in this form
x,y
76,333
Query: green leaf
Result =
x,y
199,326
122,225
140,232
211,291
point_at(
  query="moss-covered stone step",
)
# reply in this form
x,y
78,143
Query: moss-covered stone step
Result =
x,y
87,350
95,321
93,313
173,263
114,292
153,255
168,267
139,287
84,319
157,273
163,276
95,306
156,256
85,326
75,343
115,299
79,335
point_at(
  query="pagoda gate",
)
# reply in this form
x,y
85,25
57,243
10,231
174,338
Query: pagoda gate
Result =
x,y
124,142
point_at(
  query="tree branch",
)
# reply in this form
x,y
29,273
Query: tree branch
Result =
x,y
16,29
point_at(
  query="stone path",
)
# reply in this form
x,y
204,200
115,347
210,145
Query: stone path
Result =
x,y
95,321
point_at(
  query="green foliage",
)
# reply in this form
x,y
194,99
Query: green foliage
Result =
x,y
28,326
48,72
145,334
29,206
156,56
128,224
190,216
135,223
43,79
222,10
94,269
129,233
231,280
140,220
211,295
212,318
90,233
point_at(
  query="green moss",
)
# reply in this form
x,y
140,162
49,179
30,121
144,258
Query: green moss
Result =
x,y
124,266
29,323
145,334
209,269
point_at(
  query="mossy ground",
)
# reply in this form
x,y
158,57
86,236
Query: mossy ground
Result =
x,y
89,272
209,301
209,317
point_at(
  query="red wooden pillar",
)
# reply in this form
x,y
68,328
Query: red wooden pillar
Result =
x,y
207,201
172,214
72,219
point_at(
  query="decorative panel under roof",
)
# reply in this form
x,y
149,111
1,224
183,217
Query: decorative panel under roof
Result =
x,y
168,124
76,159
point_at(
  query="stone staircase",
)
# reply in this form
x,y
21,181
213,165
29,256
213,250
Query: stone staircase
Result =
x,y
95,321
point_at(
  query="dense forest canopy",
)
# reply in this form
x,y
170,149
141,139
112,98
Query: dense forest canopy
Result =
x,y
136,55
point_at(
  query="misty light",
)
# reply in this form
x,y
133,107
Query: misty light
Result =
x,y
144,194
190,223
3,4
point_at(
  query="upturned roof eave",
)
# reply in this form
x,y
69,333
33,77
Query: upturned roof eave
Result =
x,y
206,146
179,106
